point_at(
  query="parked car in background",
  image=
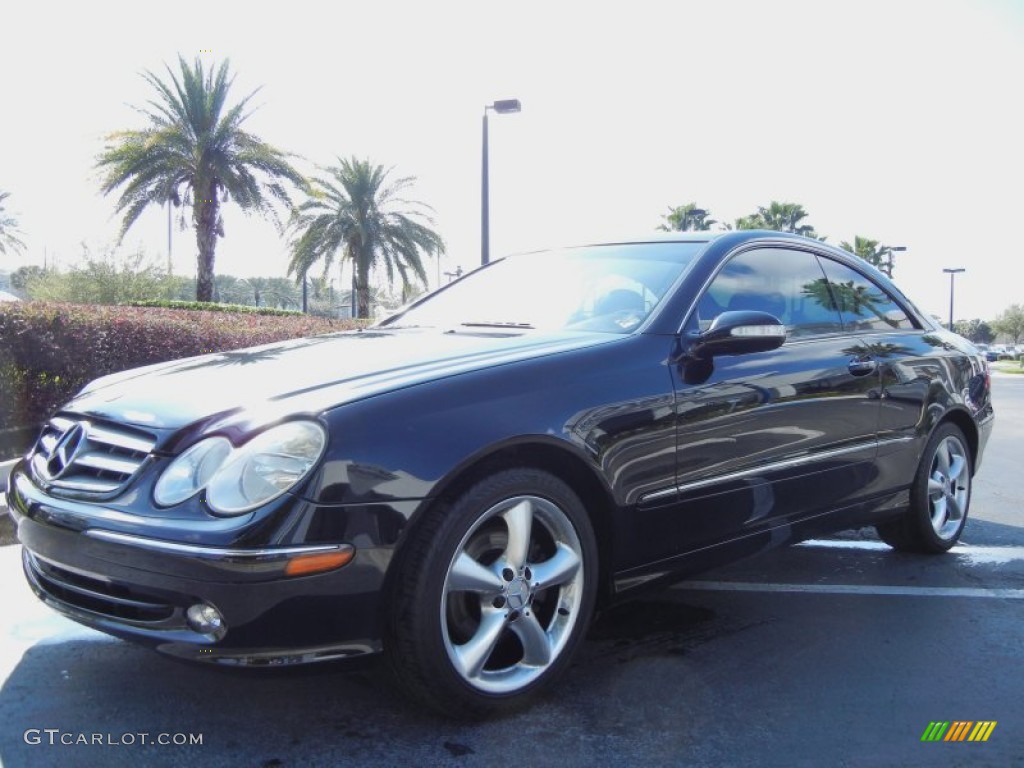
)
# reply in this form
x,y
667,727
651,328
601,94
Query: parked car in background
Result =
x,y
1002,352
462,485
987,352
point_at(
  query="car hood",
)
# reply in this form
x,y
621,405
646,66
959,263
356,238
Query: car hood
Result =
x,y
306,375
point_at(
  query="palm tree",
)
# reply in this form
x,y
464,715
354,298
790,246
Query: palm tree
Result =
x,y
685,218
782,217
847,298
753,221
357,214
195,152
8,228
872,252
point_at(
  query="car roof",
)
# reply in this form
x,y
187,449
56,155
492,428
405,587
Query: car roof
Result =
x,y
731,237
705,236
661,237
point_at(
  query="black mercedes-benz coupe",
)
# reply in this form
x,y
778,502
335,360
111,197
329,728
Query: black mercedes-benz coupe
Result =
x,y
461,485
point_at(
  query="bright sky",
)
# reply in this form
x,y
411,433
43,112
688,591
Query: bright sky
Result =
x,y
897,120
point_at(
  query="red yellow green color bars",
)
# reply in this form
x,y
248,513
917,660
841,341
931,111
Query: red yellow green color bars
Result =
x,y
959,730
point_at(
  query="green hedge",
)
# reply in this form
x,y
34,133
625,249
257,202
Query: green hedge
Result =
x,y
50,351
209,306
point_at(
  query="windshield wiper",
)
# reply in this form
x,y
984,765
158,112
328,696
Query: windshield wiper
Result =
x,y
496,324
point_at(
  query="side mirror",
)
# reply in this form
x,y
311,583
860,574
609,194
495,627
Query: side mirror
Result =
x,y
739,333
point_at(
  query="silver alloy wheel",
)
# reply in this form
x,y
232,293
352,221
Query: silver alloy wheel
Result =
x,y
949,487
512,594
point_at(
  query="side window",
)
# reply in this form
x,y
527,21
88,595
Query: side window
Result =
x,y
787,284
863,305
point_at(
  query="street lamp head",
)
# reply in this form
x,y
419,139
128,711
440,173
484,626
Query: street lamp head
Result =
x,y
954,271
897,248
504,106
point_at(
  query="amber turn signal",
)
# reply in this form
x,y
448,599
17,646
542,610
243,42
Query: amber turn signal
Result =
x,y
303,565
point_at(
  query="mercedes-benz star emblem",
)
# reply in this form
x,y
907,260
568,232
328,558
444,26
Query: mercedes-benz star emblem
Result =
x,y
64,452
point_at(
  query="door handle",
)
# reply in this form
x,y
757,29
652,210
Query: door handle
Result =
x,y
862,366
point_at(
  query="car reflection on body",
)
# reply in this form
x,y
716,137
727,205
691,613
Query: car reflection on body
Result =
x,y
463,484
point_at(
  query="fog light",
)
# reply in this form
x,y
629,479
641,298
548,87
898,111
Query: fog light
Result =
x,y
205,619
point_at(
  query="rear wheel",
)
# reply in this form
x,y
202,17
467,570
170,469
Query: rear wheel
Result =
x,y
939,497
493,594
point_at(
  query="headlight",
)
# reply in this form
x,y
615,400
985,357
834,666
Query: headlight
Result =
x,y
265,467
242,479
191,471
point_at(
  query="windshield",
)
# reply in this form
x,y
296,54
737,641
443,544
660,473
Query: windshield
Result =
x,y
610,288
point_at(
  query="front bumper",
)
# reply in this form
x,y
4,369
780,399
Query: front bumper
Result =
x,y
140,587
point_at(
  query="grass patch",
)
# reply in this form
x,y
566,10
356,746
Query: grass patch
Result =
x,y
1006,366
6,528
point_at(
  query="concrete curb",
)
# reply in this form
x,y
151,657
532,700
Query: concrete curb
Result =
x,y
5,472
6,521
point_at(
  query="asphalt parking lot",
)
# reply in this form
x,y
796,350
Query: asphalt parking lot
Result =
x,y
837,653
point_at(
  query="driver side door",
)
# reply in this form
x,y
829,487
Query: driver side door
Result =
x,y
767,438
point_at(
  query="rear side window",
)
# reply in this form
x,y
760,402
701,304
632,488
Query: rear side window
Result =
x,y
863,305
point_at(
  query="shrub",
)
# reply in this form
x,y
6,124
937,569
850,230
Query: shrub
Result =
x,y
209,306
110,277
50,351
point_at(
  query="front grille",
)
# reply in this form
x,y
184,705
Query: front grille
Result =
x,y
95,596
86,458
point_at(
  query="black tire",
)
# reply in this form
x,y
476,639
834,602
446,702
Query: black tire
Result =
x,y
939,497
482,619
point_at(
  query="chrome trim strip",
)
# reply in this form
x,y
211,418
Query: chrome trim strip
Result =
x,y
79,483
211,553
106,462
785,464
61,423
663,493
86,485
891,440
119,439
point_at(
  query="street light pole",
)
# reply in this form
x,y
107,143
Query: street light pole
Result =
x,y
485,201
952,274
503,106
893,249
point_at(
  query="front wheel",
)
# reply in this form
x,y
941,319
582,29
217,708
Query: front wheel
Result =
x,y
493,594
939,497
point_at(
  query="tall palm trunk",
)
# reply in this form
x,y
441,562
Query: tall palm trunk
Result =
x,y
205,208
363,289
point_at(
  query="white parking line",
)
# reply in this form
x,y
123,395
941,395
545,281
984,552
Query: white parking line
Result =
x,y
974,555
877,546
850,589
